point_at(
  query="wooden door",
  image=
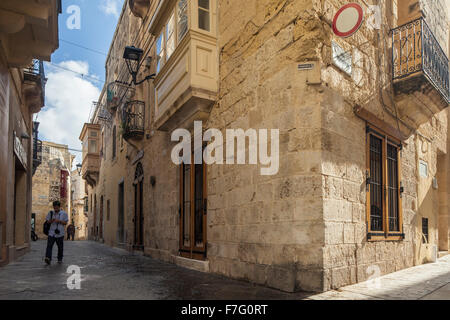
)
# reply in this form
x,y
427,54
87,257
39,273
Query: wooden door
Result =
x,y
101,219
138,208
120,227
193,211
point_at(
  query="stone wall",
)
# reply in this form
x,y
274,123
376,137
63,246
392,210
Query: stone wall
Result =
x,y
47,184
79,216
348,256
305,227
269,229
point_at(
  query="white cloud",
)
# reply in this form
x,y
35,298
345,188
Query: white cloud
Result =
x,y
77,66
68,103
111,7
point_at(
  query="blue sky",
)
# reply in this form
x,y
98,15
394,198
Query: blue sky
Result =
x,y
69,95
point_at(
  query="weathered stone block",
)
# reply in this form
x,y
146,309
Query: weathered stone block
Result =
x,y
311,280
342,276
282,278
334,233
333,188
349,233
308,209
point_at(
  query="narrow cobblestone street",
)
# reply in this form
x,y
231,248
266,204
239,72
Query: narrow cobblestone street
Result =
x,y
109,273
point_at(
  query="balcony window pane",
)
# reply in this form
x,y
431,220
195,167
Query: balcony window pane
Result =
x,y
160,52
92,146
182,19
204,4
85,145
203,15
170,33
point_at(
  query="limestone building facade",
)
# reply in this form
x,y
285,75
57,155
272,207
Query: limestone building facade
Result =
x,y
52,182
79,206
28,36
363,180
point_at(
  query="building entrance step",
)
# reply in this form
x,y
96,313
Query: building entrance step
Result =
x,y
202,266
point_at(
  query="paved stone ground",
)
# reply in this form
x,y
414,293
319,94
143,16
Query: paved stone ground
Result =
x,y
109,273
425,282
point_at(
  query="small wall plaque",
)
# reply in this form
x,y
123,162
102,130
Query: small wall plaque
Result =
x,y
305,66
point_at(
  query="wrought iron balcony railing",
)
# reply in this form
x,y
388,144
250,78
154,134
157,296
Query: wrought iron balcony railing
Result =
x,y
37,154
416,50
37,147
133,117
35,73
118,93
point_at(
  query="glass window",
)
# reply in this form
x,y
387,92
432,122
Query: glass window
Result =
x,y
92,146
384,188
376,184
85,145
393,187
182,19
203,15
170,34
160,52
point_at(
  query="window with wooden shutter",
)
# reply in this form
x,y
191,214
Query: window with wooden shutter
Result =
x,y
384,216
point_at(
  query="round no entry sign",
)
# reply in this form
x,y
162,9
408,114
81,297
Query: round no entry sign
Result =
x,y
348,19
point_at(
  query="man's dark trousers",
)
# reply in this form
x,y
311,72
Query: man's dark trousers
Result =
x,y
60,243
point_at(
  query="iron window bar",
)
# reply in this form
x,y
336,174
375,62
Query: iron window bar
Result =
x,y
37,147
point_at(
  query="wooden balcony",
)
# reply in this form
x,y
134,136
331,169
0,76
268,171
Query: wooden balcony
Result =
x,y
420,73
91,153
187,86
90,168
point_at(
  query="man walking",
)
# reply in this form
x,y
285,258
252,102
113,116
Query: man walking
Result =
x,y
58,219
71,231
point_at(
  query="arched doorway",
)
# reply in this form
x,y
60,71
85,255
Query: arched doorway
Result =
x,y
138,208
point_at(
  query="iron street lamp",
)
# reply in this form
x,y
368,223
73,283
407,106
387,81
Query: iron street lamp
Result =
x,y
133,57
79,166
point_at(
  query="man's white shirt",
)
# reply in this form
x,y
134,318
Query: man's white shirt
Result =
x,y
61,215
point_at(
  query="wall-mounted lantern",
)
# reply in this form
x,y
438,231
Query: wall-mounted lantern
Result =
x,y
133,59
79,166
